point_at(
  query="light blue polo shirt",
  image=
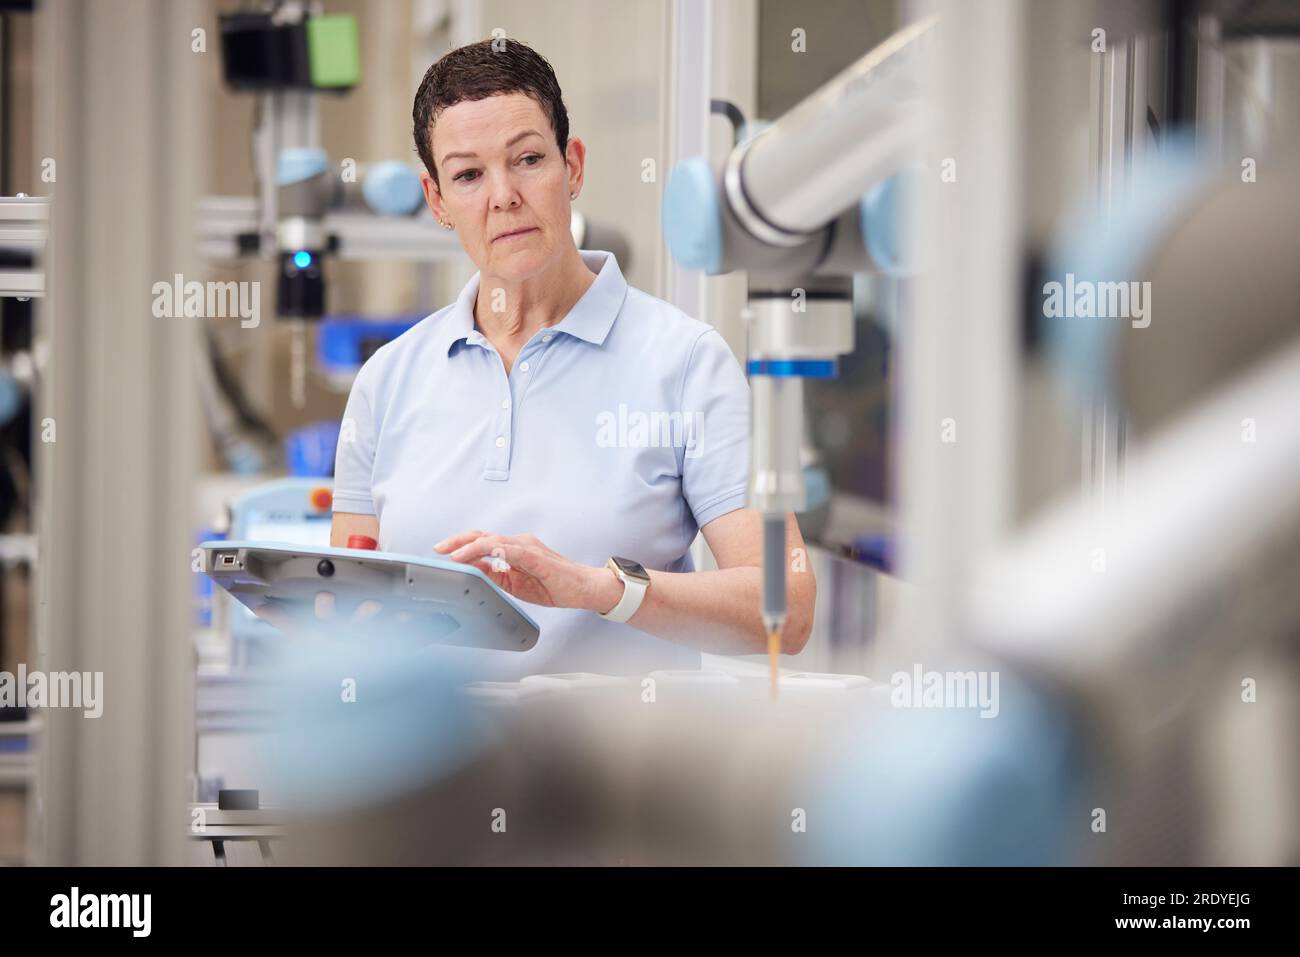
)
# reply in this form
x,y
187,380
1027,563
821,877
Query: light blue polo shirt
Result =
x,y
621,430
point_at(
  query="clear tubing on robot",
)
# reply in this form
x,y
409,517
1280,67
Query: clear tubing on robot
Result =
x,y
776,487
298,363
776,483
774,598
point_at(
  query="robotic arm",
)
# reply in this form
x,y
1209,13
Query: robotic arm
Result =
x,y
801,207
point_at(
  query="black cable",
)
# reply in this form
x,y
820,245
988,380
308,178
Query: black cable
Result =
x,y
732,112
234,394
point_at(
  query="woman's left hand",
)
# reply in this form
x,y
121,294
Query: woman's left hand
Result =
x,y
528,570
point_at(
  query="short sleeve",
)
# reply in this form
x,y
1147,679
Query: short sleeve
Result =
x,y
355,458
715,403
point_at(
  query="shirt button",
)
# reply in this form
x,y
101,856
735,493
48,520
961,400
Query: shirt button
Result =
x,y
505,403
501,441
546,338
523,367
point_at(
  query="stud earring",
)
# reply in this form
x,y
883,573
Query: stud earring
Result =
x,y
573,196
445,225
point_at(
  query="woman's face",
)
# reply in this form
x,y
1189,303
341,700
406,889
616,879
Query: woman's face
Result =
x,y
500,170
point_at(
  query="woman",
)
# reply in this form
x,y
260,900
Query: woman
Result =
x,y
554,426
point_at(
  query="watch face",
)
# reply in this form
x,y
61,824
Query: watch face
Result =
x,y
631,568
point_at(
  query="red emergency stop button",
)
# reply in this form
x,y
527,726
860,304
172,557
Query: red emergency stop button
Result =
x,y
362,541
321,498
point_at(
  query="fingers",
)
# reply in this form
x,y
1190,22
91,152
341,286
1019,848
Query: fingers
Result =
x,y
457,547
469,552
496,548
486,566
456,541
518,583
498,569
367,609
273,616
325,607
324,604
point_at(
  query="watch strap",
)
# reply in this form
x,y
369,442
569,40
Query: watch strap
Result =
x,y
633,593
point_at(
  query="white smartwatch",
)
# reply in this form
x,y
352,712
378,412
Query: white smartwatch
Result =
x,y
635,581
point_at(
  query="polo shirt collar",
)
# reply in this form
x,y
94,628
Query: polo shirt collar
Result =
x,y
590,319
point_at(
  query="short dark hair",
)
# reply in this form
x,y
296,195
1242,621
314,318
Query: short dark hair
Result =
x,y
477,71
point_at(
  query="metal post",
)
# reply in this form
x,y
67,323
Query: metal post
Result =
x,y
121,111
689,71
958,351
